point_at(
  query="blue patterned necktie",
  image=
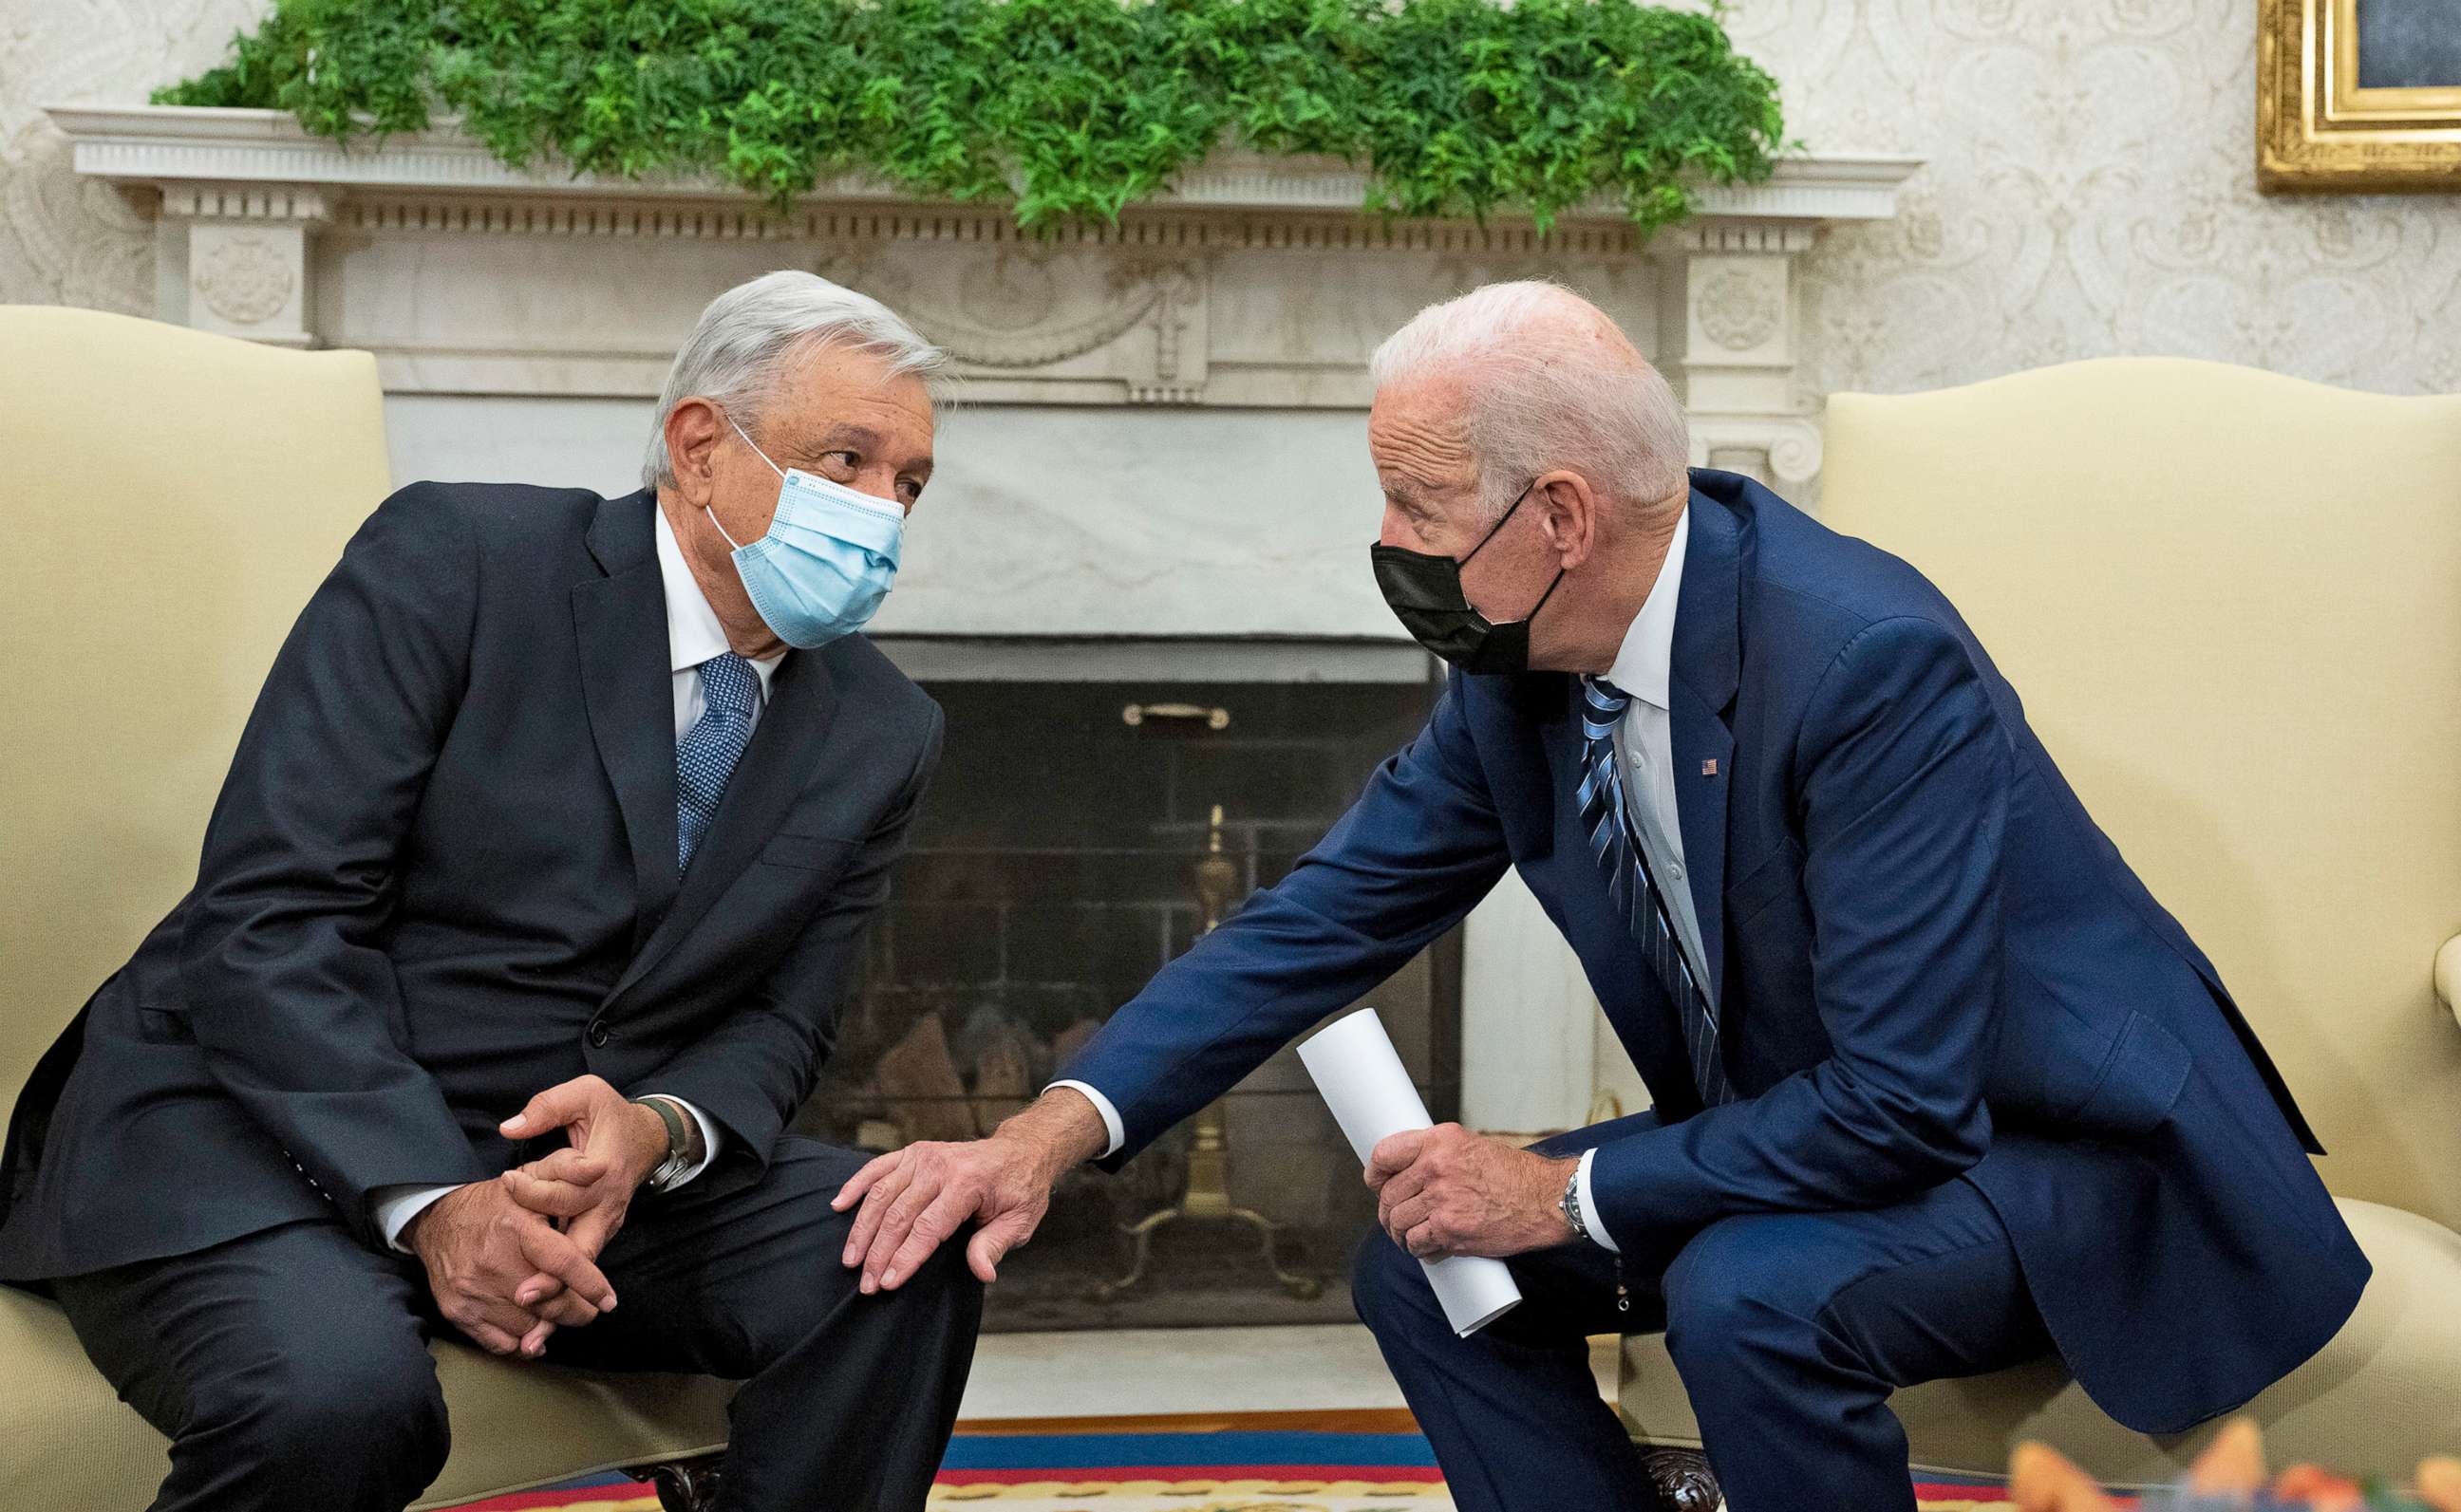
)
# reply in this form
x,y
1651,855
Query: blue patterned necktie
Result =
x,y
1633,892
705,757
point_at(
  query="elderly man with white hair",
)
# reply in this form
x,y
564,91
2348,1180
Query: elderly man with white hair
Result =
x,y
1938,1086
521,923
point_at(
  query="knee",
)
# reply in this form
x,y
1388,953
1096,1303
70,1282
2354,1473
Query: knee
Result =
x,y
947,1276
1388,1289
1734,1291
941,1300
386,1409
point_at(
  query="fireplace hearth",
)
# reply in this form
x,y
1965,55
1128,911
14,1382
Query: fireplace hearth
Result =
x,y
1056,869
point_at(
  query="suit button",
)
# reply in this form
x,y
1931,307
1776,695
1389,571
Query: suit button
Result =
x,y
597,1032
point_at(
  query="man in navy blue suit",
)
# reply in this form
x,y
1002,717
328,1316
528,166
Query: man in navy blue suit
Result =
x,y
1940,1087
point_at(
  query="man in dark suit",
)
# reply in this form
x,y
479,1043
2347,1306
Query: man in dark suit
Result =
x,y
1938,1086
516,942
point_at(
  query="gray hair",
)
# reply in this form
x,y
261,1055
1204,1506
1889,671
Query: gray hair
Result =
x,y
745,340
1552,384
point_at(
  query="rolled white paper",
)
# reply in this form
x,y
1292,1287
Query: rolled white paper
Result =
x,y
1363,1083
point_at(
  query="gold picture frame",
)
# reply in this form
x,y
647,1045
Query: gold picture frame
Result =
x,y
2317,128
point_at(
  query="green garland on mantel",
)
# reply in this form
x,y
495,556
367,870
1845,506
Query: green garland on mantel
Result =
x,y
1073,108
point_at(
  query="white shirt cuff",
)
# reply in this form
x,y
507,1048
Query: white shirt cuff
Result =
x,y
1591,1218
1111,1115
397,1205
709,1136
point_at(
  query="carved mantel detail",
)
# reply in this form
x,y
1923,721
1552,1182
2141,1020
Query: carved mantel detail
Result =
x,y
1255,283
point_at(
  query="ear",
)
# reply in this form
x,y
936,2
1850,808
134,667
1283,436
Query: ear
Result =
x,y
1568,515
692,431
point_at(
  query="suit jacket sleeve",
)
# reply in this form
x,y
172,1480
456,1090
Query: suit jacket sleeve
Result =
x,y
1903,775
282,973
757,1067
1416,852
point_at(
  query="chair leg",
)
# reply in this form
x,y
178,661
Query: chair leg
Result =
x,y
685,1486
1681,1480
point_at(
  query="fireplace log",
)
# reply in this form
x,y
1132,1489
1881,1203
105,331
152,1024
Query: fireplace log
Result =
x,y
1003,1081
919,1082
1066,1045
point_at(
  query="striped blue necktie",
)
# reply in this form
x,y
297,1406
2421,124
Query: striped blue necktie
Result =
x,y
705,757
1616,847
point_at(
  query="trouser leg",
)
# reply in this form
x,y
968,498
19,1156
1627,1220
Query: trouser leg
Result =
x,y
848,1400
1513,1412
287,1368
1791,1331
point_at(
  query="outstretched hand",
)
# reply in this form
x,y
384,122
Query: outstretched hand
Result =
x,y
916,1198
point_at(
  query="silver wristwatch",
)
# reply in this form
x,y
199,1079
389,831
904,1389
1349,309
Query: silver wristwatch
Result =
x,y
1572,1206
667,1173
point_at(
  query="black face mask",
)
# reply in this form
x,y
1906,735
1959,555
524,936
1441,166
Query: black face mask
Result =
x,y
1424,594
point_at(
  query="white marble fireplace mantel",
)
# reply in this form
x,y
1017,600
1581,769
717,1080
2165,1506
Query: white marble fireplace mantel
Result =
x,y
1159,443
1255,283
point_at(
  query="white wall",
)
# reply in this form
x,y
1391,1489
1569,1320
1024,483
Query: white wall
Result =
x,y
2090,191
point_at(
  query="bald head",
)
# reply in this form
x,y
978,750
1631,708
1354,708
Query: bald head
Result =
x,y
1513,381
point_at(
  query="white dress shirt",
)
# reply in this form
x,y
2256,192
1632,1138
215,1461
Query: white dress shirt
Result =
x,y
1645,744
693,635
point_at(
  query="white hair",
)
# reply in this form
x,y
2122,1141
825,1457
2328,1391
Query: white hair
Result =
x,y
1546,391
744,342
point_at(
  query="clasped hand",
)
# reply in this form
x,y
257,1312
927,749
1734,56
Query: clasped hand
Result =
x,y
512,1259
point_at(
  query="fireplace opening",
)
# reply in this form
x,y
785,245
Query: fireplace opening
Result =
x,y
1069,849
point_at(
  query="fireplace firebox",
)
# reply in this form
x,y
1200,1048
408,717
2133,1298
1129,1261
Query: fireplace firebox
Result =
x,y
1065,855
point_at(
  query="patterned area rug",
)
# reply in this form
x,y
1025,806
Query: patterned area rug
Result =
x,y
1168,1472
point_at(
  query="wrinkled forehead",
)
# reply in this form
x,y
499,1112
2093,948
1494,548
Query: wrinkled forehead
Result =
x,y
1418,438
834,387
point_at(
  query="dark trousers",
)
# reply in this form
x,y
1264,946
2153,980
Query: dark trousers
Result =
x,y
289,1368
1788,1331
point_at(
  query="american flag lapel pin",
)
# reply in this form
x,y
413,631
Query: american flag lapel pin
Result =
x,y
1709,768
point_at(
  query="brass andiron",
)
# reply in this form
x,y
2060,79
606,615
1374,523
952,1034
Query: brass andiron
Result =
x,y
1208,1194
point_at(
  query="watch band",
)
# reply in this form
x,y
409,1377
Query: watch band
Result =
x,y
1572,1205
669,1172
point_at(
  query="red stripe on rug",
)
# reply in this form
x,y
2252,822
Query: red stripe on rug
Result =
x,y
1078,1475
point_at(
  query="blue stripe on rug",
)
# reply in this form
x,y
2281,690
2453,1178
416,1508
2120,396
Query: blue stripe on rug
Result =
x,y
1112,1451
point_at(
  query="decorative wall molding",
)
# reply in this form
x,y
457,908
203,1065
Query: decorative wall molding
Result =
x,y
1256,282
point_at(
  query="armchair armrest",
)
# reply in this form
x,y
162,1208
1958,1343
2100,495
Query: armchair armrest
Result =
x,y
2448,975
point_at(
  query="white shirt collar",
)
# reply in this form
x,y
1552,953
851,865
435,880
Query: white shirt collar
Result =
x,y
1642,662
693,634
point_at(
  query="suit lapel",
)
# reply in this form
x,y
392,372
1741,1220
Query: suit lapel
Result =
x,y
620,621
1706,667
786,748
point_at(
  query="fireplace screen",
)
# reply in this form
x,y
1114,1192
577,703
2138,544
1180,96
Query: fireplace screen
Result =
x,y
1076,840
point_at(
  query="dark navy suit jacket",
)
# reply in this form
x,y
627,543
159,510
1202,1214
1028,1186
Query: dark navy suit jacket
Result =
x,y
441,877
1931,965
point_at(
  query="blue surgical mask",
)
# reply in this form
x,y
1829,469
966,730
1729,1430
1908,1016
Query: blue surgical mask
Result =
x,y
827,560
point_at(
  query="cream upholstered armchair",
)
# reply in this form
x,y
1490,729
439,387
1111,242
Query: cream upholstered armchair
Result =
x,y
172,499
2231,602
